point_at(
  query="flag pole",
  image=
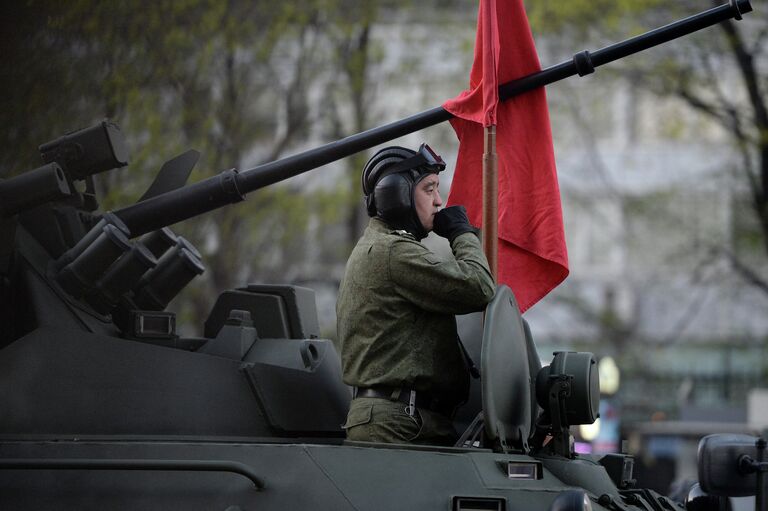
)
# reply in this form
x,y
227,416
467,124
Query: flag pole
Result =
x,y
490,199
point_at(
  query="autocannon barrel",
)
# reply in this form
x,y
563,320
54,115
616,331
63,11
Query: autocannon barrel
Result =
x,y
230,186
585,62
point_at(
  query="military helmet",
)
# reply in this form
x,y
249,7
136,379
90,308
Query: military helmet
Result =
x,y
388,180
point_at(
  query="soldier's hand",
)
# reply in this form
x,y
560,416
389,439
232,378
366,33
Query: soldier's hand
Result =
x,y
451,222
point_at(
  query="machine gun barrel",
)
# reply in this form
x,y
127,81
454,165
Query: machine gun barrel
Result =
x,y
229,186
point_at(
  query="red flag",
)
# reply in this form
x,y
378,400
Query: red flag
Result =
x,y
532,256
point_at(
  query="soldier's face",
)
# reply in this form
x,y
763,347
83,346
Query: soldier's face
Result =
x,y
427,200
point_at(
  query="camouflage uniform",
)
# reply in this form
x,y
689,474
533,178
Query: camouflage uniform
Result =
x,y
396,329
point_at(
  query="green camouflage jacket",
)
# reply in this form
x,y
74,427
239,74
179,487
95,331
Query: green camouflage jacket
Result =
x,y
396,307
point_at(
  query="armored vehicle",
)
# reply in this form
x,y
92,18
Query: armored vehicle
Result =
x,y
104,406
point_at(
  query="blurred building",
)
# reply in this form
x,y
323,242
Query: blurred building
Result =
x,y
654,223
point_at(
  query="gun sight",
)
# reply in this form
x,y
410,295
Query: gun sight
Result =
x,y
88,151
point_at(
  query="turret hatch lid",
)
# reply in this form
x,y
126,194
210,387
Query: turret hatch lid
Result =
x,y
505,371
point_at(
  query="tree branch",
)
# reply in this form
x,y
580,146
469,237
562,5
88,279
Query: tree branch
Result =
x,y
296,110
747,273
746,64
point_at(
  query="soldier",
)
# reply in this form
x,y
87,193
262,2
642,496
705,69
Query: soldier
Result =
x,y
397,331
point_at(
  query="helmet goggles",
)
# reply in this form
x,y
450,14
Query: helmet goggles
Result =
x,y
426,157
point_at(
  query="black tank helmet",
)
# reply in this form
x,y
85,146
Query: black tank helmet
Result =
x,y
389,180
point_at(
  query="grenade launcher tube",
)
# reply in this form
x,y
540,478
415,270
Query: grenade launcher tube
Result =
x,y
230,186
